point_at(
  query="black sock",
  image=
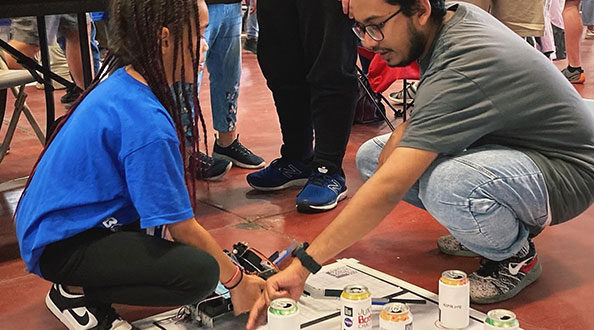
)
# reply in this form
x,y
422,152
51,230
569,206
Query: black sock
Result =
x,y
574,69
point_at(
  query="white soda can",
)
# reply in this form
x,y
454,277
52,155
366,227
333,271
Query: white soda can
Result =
x,y
396,316
355,308
501,319
283,314
454,299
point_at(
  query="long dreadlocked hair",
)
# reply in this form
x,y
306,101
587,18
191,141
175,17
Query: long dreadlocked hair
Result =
x,y
135,39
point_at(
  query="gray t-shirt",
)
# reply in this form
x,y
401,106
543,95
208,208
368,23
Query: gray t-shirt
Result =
x,y
483,84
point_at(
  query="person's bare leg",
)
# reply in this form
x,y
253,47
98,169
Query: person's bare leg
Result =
x,y
23,47
226,138
74,59
573,31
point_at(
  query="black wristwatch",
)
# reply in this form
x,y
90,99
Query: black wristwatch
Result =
x,y
306,260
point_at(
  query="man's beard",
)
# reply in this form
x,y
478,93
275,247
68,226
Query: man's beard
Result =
x,y
416,43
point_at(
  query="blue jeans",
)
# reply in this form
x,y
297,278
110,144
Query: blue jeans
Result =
x,y
251,23
489,198
223,61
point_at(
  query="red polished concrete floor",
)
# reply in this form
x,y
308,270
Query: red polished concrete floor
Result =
x,y
403,246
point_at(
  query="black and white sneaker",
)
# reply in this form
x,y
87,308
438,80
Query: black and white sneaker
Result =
x,y
75,313
212,169
72,93
496,281
450,245
238,154
398,97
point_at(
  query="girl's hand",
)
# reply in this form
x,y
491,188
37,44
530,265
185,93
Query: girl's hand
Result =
x,y
246,293
287,283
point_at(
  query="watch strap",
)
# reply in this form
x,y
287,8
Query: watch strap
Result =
x,y
306,260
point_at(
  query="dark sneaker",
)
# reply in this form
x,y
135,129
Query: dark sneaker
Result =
x,y
398,97
238,154
322,192
211,169
574,77
74,312
497,281
251,45
449,245
72,93
280,174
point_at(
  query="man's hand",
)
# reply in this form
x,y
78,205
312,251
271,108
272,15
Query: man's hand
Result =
x,y
246,293
346,8
254,6
287,283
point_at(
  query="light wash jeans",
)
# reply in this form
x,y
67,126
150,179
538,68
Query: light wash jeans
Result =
x,y
223,61
251,23
489,198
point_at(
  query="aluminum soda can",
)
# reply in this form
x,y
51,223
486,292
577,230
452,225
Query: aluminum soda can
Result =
x,y
396,316
454,299
501,319
355,308
283,314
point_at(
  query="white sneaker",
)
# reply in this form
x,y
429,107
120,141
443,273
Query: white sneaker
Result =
x,y
589,34
398,97
74,312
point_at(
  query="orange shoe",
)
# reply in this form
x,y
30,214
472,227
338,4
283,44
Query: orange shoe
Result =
x,y
574,77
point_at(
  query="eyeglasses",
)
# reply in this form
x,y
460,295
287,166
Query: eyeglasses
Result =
x,y
374,30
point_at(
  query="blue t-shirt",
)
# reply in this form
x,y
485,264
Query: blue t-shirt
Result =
x,y
115,161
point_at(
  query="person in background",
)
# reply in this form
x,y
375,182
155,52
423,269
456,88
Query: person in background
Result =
x,y
251,28
223,61
307,54
25,39
73,92
556,13
588,17
526,18
5,29
573,38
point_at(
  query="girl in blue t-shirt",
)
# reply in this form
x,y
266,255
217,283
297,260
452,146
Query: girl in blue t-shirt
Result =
x,y
114,165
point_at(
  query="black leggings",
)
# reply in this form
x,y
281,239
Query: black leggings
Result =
x,y
131,268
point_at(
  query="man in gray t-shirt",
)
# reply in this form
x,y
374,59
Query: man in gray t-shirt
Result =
x,y
498,146
514,147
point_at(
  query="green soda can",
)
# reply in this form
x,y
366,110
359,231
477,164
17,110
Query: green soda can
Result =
x,y
501,319
283,314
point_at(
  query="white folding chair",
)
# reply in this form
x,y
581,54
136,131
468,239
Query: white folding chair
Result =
x,y
15,80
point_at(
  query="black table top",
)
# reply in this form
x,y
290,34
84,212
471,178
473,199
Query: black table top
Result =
x,y
17,8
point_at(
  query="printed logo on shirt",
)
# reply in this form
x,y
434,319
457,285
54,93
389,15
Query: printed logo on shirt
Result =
x,y
110,222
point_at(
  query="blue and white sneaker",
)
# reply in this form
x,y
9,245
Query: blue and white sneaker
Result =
x,y
322,192
280,174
